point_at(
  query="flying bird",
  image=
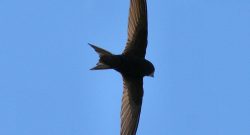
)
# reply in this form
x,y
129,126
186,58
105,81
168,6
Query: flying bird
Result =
x,y
132,65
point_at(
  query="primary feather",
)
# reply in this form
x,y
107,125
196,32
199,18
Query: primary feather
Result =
x,y
131,105
137,29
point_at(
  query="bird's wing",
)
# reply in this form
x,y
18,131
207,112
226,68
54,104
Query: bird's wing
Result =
x,y
137,29
131,105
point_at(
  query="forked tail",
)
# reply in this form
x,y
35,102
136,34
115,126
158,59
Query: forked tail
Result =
x,y
102,53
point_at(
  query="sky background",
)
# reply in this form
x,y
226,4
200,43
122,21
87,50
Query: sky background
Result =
x,y
200,49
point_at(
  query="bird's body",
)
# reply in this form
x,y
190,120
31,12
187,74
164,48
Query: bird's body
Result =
x,y
128,66
132,65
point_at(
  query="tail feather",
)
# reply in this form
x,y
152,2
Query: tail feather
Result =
x,y
101,52
100,66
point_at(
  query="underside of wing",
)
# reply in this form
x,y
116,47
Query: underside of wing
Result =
x,y
137,29
131,105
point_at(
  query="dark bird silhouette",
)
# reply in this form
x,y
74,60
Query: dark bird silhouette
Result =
x,y
132,65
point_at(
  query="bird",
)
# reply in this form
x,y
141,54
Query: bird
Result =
x,y
132,66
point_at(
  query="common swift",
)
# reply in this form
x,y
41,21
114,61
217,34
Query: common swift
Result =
x,y
132,65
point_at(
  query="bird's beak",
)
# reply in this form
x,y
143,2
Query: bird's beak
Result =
x,y
152,74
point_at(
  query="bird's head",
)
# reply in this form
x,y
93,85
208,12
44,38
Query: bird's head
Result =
x,y
150,69
152,74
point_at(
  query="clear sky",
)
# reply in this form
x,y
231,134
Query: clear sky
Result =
x,y
200,48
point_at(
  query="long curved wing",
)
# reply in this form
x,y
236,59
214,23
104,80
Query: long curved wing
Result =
x,y
137,29
131,105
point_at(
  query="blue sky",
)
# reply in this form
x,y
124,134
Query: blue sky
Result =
x,y
200,50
